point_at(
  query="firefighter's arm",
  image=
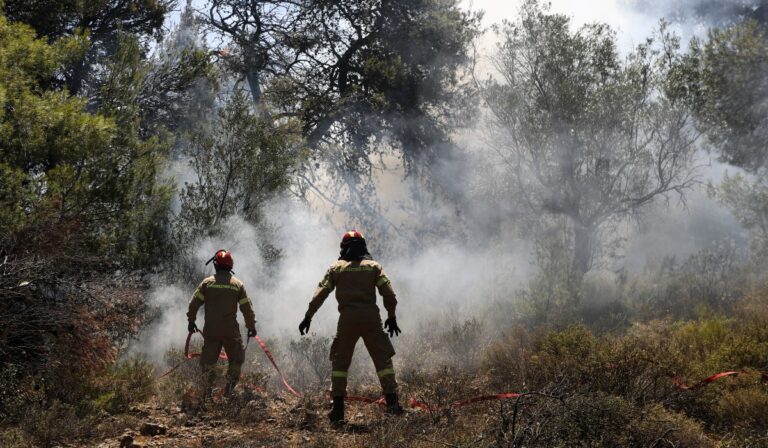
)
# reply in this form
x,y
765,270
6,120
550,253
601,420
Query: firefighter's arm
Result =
x,y
324,289
247,309
197,300
387,293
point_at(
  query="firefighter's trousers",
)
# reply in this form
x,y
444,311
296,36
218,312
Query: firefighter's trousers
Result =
x,y
233,347
379,347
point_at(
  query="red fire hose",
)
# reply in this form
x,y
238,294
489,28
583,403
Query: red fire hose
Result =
x,y
272,360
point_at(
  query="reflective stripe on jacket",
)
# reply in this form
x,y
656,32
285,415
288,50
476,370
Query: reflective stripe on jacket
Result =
x,y
355,283
220,295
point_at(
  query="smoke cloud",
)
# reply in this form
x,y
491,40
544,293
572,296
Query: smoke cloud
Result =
x,y
445,279
451,275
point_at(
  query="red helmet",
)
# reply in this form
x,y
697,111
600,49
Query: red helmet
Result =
x,y
352,235
223,260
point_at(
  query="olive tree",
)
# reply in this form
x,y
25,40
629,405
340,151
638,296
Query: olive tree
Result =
x,y
728,84
582,133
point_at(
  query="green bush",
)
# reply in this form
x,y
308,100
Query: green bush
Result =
x,y
128,382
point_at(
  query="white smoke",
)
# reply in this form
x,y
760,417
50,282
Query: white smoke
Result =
x,y
446,278
449,277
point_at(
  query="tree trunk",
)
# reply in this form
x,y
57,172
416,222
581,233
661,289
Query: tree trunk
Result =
x,y
77,76
254,84
583,251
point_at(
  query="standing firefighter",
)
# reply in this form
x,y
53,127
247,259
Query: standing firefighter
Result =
x,y
221,294
355,276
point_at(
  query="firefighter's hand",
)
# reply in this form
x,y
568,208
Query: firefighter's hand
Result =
x,y
391,326
304,326
251,332
192,327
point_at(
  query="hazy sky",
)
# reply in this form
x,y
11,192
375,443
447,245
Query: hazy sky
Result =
x,y
631,25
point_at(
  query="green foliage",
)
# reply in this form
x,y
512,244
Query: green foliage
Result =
x,y
243,162
141,200
63,165
99,22
729,89
622,385
48,138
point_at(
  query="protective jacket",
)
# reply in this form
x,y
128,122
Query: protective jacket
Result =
x,y
220,295
355,283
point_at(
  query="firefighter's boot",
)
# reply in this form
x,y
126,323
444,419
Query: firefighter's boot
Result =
x,y
393,405
336,416
207,398
233,375
230,387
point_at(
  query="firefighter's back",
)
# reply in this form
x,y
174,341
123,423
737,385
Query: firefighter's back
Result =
x,y
356,290
223,292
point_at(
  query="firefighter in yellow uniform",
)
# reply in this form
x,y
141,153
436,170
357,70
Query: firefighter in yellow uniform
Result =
x,y
355,277
220,295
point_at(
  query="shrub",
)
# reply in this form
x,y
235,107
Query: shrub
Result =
x,y
656,426
309,361
48,424
744,409
128,382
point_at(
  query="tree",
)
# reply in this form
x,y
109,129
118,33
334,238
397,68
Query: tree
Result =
x,y
583,134
245,160
51,148
364,77
729,92
98,21
265,37
64,190
730,89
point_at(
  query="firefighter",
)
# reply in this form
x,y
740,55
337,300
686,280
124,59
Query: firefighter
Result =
x,y
221,294
355,277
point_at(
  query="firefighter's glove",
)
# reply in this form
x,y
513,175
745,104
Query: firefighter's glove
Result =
x,y
192,328
251,332
391,326
304,326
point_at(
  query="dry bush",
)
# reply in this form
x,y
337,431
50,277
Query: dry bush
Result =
x,y
744,409
596,419
183,379
14,438
245,406
62,318
114,426
48,424
306,414
656,426
710,281
127,382
504,360
309,364
440,387
459,343
614,381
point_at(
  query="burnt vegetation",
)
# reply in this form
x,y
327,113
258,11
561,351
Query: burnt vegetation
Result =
x,y
124,144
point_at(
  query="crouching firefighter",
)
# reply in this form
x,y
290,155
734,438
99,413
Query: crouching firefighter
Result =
x,y
221,294
356,276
